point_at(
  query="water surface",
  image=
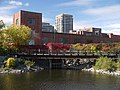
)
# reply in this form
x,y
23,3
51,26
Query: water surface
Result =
x,y
59,80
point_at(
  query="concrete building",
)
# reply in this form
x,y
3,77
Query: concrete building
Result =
x,y
64,23
46,27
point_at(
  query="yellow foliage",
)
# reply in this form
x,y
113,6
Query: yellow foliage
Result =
x,y
10,62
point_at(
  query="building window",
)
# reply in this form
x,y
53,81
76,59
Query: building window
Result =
x,y
33,33
97,33
88,34
17,21
31,21
31,42
45,40
61,40
77,40
52,39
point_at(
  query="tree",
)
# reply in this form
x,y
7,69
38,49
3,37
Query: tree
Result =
x,y
2,24
18,35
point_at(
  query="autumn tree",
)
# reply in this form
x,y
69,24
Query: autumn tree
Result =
x,y
19,35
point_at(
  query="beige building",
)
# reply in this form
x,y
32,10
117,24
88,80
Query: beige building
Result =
x,y
64,23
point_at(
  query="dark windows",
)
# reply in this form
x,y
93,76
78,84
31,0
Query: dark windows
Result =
x,y
97,33
45,40
52,39
31,21
61,40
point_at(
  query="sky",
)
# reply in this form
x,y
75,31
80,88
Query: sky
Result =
x,y
103,14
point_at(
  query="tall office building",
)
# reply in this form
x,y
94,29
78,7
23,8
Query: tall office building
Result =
x,y
64,23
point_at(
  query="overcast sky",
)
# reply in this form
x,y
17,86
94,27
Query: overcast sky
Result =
x,y
87,13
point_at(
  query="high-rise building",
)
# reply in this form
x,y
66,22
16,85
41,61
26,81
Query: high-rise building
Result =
x,y
64,23
46,27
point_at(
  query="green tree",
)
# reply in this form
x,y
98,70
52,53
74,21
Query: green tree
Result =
x,y
19,35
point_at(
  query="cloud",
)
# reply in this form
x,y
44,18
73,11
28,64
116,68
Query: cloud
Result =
x,y
114,26
76,3
6,19
27,4
17,3
45,19
102,11
8,7
6,12
81,24
115,31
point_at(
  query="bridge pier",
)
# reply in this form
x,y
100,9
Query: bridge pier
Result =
x,y
50,64
56,64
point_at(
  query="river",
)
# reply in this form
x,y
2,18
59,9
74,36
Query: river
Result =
x,y
59,80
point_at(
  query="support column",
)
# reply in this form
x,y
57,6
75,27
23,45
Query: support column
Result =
x,y
62,63
50,64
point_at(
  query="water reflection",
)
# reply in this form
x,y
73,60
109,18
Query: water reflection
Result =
x,y
59,80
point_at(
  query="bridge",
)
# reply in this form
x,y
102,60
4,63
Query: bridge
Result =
x,y
57,59
62,54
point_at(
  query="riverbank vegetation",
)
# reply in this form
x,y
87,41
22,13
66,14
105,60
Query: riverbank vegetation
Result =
x,y
18,65
97,48
107,64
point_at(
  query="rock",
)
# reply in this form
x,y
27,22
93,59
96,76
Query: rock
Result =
x,y
102,71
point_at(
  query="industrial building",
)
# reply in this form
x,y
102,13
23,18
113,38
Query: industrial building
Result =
x,y
89,35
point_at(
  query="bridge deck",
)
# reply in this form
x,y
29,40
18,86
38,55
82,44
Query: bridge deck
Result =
x,y
64,56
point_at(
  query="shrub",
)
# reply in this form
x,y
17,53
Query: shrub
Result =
x,y
99,62
29,64
10,62
106,64
118,64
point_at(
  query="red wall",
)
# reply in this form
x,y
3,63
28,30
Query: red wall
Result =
x,y
82,39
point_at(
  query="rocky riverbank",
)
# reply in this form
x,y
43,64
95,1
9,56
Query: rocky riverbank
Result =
x,y
116,73
8,71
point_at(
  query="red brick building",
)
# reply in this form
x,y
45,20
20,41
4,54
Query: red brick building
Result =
x,y
34,21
